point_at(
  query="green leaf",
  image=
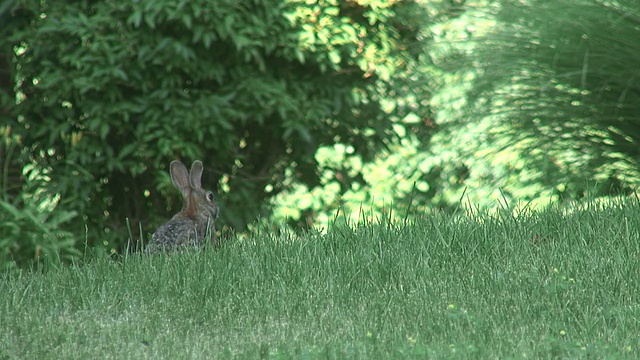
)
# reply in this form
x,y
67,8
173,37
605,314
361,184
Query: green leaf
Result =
x,y
135,18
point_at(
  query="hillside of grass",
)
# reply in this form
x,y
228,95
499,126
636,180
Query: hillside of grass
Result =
x,y
559,283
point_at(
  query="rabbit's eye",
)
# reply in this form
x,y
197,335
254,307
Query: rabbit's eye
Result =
x,y
210,196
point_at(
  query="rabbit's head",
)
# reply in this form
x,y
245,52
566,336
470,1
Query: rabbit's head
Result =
x,y
199,204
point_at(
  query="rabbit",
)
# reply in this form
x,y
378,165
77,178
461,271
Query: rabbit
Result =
x,y
195,221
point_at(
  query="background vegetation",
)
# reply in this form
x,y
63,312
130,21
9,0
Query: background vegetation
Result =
x,y
101,96
550,107
300,109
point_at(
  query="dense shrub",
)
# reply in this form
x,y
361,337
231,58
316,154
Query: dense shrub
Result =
x,y
300,109
535,102
32,227
103,95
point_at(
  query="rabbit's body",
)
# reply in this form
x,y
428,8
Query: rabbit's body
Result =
x,y
195,222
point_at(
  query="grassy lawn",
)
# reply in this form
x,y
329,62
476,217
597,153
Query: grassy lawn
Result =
x,y
538,285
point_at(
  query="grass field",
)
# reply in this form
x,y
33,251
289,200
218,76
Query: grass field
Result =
x,y
537,285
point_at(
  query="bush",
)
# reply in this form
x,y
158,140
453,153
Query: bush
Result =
x,y
528,109
31,225
106,94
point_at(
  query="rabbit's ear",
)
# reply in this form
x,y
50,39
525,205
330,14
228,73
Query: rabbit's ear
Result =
x,y
180,176
196,175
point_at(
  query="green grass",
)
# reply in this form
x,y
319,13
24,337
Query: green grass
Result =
x,y
539,285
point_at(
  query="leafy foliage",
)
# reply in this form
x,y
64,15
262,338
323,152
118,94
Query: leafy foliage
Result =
x,y
392,185
300,109
104,94
31,225
528,109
